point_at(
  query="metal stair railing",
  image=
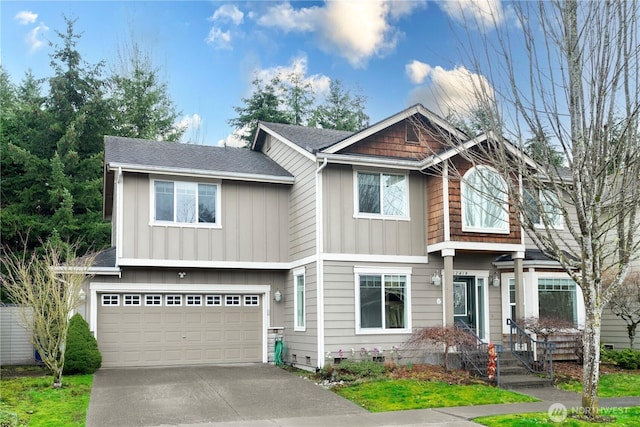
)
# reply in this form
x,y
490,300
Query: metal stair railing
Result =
x,y
475,354
525,349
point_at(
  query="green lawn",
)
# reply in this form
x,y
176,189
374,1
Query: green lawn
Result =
x,y
611,385
400,395
624,417
36,403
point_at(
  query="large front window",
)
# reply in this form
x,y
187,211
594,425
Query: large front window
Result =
x,y
186,202
484,207
381,194
383,302
557,300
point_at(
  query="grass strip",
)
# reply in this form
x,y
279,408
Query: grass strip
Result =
x,y
400,395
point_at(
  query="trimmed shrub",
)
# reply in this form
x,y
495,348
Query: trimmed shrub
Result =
x,y
81,355
351,370
625,359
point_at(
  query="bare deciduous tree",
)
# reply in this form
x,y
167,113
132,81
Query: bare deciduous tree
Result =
x,y
625,303
46,285
573,81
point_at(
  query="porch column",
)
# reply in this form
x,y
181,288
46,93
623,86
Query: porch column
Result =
x,y
447,285
518,257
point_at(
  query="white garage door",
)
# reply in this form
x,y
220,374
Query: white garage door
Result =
x,y
154,329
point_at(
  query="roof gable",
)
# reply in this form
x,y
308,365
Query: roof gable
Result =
x,y
309,139
392,129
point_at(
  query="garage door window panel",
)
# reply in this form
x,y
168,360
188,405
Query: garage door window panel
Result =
x,y
110,300
214,300
251,300
173,300
153,300
132,299
194,300
232,300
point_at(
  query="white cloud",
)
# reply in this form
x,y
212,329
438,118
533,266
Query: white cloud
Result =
x,y
288,19
219,39
319,83
355,30
451,90
25,17
33,37
191,125
233,140
228,12
417,71
480,14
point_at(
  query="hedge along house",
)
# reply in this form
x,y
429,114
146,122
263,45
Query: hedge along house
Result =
x,y
336,240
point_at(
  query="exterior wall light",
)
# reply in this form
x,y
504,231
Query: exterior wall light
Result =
x,y
436,280
277,297
496,280
182,274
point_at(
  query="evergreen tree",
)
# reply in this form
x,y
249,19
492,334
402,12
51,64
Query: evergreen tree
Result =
x,y
299,99
142,106
264,104
341,110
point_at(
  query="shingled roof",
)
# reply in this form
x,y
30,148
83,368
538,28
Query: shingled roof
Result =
x,y
148,154
310,139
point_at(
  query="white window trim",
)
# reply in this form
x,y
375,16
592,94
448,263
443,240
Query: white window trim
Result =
x,y
117,304
382,271
505,206
146,304
213,300
173,297
296,327
580,309
152,207
130,303
381,215
540,224
192,304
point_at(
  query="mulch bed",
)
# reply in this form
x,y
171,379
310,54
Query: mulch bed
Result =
x,y
571,371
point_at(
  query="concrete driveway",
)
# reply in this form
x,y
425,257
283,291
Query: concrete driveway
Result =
x,y
208,394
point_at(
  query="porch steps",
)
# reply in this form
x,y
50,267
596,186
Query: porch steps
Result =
x,y
513,375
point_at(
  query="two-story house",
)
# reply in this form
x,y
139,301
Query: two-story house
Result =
x,y
344,240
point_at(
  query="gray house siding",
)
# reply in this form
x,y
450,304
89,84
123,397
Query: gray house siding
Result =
x,y
302,203
253,225
345,234
15,338
340,307
302,345
614,331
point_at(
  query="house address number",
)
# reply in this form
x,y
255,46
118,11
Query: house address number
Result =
x,y
460,273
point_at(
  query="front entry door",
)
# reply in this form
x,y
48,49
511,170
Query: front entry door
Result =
x,y
464,301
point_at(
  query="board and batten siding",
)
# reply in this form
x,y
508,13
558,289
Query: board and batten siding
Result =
x,y
302,344
614,331
253,225
302,198
345,234
15,338
340,306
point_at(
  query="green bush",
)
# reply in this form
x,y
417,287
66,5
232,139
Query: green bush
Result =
x,y
625,359
81,355
350,370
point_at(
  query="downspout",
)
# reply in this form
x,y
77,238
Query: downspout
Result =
x,y
320,263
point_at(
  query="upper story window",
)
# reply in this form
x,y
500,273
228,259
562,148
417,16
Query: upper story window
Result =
x,y
484,201
186,202
542,207
382,195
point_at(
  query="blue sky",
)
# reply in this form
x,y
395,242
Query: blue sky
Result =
x,y
394,53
